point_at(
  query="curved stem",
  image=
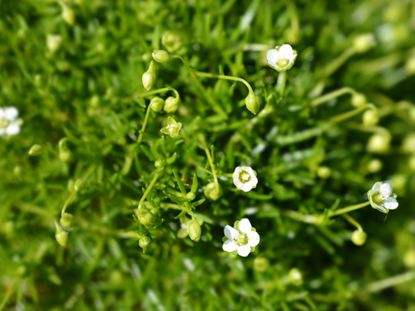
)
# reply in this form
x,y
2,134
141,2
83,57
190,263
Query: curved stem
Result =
x,y
349,114
143,127
158,91
348,209
149,187
339,61
224,77
329,96
210,160
352,221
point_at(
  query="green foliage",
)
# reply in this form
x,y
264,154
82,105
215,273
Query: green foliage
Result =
x,y
114,195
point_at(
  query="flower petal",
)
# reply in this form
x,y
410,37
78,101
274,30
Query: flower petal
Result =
x,y
253,238
375,187
11,113
244,225
231,233
385,190
272,57
13,129
391,203
244,251
286,51
229,246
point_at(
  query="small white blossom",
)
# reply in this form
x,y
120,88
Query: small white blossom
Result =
x,y
382,198
9,124
281,58
241,239
244,178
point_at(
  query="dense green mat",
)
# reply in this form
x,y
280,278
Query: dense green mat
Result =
x,y
115,197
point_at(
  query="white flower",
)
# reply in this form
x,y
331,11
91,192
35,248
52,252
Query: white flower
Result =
x,y
244,178
241,239
9,124
281,58
382,198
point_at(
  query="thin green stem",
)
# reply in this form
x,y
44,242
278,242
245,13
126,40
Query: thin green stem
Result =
x,y
349,209
159,91
352,221
149,187
223,77
338,62
210,160
349,114
281,83
143,127
329,96
390,282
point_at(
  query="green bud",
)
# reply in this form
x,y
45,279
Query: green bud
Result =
x,y
252,103
374,166
410,65
61,236
194,230
156,104
359,237
370,117
379,143
295,277
144,242
149,77
409,258
323,172
261,264
364,42
171,41
66,220
408,144
161,56
358,100
190,196
53,42
213,191
171,104
146,214
65,154
35,150
411,163
68,15
172,128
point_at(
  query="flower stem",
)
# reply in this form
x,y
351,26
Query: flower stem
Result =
x,y
390,282
210,159
352,221
158,91
349,114
223,77
339,61
143,127
281,83
329,96
349,209
149,187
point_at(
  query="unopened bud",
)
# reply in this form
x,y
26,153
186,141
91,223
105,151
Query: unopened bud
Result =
x,y
149,77
408,144
359,237
61,236
323,172
194,230
410,65
374,166
370,117
295,277
53,43
156,104
379,143
144,242
161,56
35,150
252,103
213,191
68,15
66,220
171,41
364,42
261,264
171,104
411,163
409,258
358,100
64,152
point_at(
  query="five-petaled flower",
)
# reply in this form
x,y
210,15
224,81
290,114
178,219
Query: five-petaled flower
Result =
x,y
382,198
281,58
244,178
9,124
242,238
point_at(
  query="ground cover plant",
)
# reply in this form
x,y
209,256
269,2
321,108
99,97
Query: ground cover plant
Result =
x,y
207,155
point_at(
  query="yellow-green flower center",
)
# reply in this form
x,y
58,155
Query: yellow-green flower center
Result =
x,y
377,198
242,239
244,177
282,62
4,123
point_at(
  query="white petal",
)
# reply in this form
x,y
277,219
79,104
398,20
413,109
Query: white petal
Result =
x,y
244,251
2,132
229,246
286,51
391,203
13,129
385,190
272,57
231,233
11,113
376,187
253,238
244,225
1,113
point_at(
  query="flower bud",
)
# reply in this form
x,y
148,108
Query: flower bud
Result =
x,y
410,65
364,42
358,100
323,172
172,128
295,277
171,41
161,56
53,42
66,220
156,104
144,215
171,104
408,144
68,15
370,117
409,258
261,264
379,143
61,235
65,154
35,150
359,237
411,163
144,242
194,230
252,103
374,166
213,191
149,77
